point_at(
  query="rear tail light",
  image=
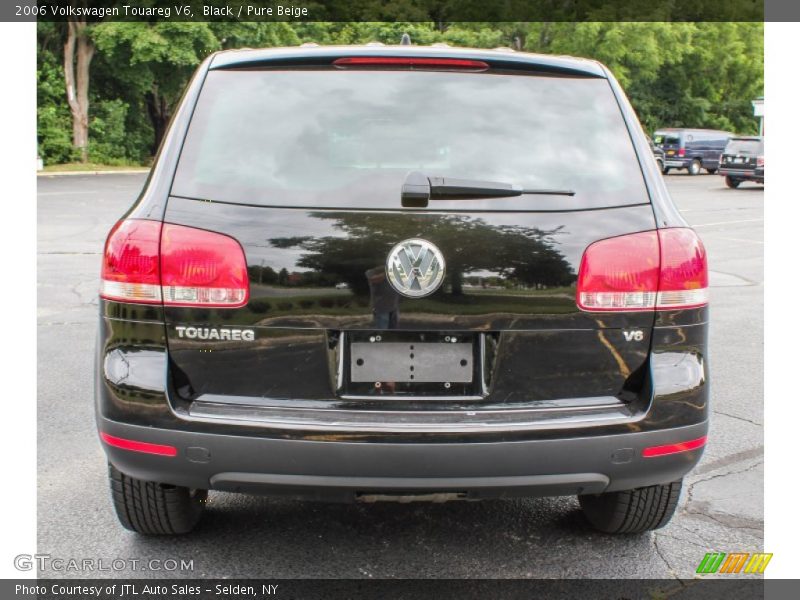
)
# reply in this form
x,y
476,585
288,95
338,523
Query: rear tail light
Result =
x,y
147,262
130,263
411,62
202,268
682,152
760,161
665,270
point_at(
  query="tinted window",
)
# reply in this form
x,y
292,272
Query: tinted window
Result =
x,y
666,138
348,138
743,146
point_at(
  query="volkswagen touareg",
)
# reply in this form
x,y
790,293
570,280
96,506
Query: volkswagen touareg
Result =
x,y
402,273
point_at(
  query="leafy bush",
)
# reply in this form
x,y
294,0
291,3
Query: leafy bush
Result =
x,y
107,132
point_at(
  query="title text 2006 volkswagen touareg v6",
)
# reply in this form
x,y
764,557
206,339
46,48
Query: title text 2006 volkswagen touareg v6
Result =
x,y
365,273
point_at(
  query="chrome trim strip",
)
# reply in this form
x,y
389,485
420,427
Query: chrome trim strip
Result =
x,y
462,421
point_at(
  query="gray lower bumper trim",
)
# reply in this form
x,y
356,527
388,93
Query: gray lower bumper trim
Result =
x,y
587,482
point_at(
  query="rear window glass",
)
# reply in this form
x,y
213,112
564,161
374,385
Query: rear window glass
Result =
x,y
740,146
348,138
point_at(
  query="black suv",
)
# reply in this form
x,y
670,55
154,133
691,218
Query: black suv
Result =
x,y
402,273
742,160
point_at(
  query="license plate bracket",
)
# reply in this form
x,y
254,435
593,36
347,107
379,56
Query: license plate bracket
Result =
x,y
407,362
447,365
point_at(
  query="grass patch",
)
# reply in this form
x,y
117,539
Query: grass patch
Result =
x,y
70,167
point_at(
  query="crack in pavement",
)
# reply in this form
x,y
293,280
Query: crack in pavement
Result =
x,y
726,474
733,522
664,559
731,459
683,540
708,544
724,523
756,423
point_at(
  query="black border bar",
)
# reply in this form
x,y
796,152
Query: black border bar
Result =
x,y
727,588
437,11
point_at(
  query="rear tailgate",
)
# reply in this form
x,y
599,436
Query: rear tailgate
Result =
x,y
742,153
304,169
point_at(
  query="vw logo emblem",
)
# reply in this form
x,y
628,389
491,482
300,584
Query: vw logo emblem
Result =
x,y
415,268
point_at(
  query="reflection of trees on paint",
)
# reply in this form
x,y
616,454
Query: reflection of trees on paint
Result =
x,y
525,256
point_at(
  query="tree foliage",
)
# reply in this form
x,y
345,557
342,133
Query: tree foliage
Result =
x,y
676,74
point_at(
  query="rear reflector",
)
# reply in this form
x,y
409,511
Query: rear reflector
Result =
x,y
147,262
665,269
411,62
653,451
134,446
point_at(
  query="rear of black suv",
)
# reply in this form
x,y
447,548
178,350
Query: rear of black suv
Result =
x,y
743,160
402,273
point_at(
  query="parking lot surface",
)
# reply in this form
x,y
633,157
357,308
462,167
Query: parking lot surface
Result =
x,y
721,508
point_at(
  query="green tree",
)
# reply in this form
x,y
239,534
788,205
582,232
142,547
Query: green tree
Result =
x,y
155,60
53,118
676,74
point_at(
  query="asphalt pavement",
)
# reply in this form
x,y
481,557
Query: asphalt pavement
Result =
x,y
721,508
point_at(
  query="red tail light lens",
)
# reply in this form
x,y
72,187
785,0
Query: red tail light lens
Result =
x,y
665,269
760,161
684,270
411,62
146,262
130,263
682,152
620,273
202,268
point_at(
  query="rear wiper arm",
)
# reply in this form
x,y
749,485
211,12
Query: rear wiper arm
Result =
x,y
419,188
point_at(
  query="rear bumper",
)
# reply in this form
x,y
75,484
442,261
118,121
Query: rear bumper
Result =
x,y
743,174
345,470
677,163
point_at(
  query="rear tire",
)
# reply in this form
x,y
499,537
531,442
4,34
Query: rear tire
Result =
x,y
155,508
711,171
731,182
694,167
632,511
665,171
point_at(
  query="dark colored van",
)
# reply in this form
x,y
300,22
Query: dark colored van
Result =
x,y
691,149
743,160
402,273
658,154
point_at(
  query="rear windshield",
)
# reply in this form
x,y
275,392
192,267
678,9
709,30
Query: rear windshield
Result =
x,y
666,138
740,146
343,139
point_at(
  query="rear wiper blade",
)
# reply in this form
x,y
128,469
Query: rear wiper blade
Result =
x,y
419,188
